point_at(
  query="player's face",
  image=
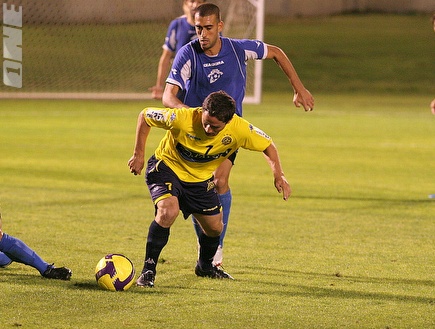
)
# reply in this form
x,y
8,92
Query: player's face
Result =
x,y
212,126
208,29
191,5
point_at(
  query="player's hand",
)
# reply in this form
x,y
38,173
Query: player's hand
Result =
x,y
282,186
136,165
156,92
305,99
432,106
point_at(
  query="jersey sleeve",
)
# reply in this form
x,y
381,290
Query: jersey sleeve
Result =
x,y
254,49
252,138
182,66
171,37
162,117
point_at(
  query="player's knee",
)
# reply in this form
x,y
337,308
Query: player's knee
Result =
x,y
167,211
212,233
221,184
214,230
166,216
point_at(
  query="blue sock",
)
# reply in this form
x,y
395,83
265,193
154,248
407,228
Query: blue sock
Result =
x,y
197,227
225,200
4,260
19,252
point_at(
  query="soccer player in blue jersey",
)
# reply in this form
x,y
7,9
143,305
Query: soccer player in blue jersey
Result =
x,y
212,63
180,173
13,249
180,31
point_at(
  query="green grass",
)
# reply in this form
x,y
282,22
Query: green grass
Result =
x,y
356,53
352,248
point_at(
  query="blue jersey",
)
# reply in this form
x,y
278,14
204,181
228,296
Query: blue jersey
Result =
x,y
198,75
179,33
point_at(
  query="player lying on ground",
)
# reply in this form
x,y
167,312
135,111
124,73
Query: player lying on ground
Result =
x,y
180,173
13,249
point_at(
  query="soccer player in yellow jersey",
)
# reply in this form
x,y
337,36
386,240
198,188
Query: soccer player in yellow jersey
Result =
x,y
211,63
180,173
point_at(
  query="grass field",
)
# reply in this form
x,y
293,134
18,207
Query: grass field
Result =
x,y
353,247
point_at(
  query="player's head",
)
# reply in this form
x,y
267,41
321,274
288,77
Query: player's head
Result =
x,y
208,25
189,7
433,21
209,9
218,109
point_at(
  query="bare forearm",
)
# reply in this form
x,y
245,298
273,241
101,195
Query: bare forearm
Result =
x,y
137,161
281,183
301,95
170,98
163,69
142,131
272,158
286,66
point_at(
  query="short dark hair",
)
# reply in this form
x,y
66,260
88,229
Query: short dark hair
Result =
x,y
208,9
220,105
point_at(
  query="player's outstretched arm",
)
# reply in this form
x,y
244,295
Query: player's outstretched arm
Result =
x,y
432,106
281,183
137,161
170,98
162,72
301,95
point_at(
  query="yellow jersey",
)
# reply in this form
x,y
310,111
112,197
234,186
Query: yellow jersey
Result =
x,y
189,152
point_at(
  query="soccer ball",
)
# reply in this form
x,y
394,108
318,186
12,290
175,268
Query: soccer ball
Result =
x,y
115,272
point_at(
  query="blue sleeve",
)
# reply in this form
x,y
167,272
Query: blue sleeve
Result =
x,y
171,36
182,65
254,49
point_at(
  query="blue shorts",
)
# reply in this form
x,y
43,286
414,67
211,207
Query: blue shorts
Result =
x,y
193,198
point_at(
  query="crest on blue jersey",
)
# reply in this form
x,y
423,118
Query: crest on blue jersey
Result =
x,y
214,75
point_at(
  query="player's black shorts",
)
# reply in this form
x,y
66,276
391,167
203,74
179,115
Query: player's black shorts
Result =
x,y
232,157
193,198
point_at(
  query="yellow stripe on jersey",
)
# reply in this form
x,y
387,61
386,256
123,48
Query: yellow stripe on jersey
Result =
x,y
189,152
